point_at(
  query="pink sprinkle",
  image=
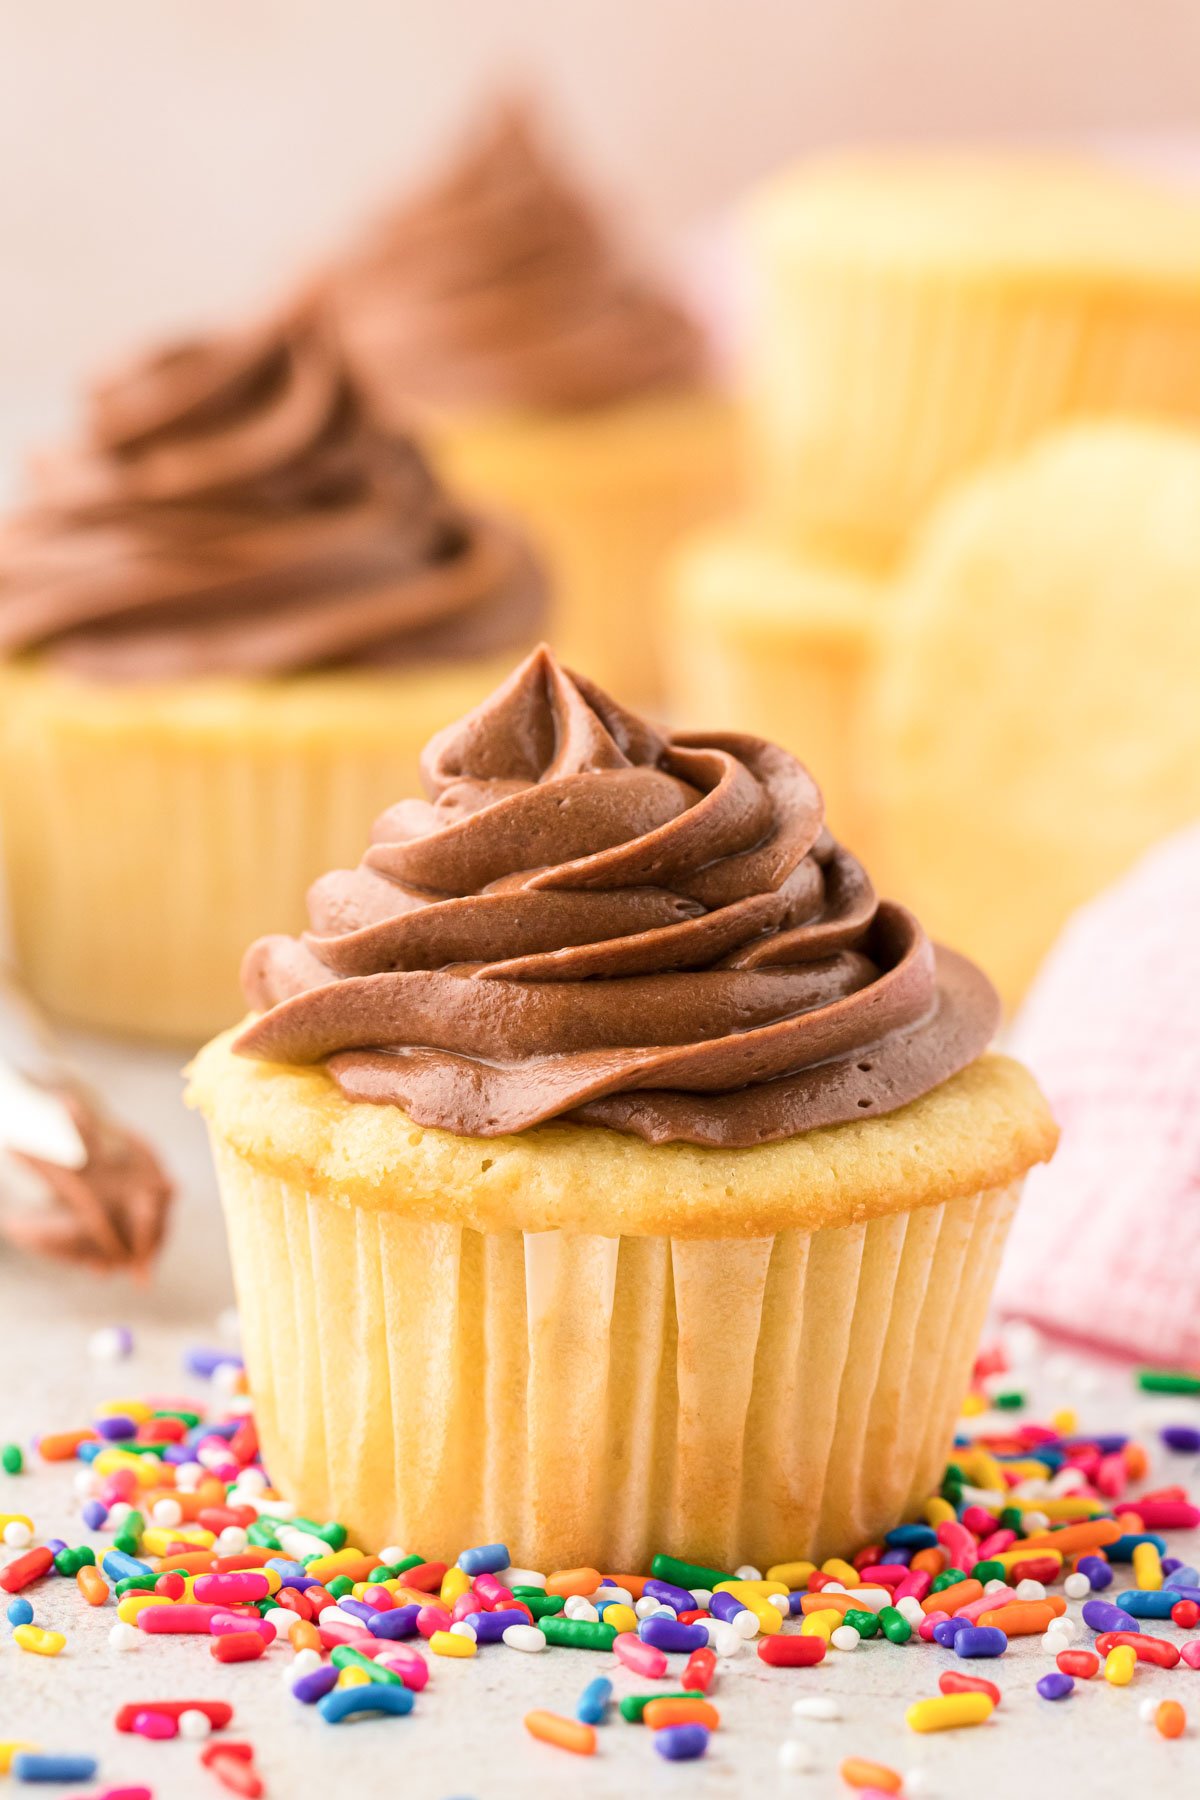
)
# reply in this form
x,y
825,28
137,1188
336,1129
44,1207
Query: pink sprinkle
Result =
x,y
150,1724
493,1595
925,1628
431,1619
885,1574
159,1619
973,1608
336,1633
412,1669
222,1623
915,1586
999,1540
1166,1515
229,1589
643,1659
1190,1653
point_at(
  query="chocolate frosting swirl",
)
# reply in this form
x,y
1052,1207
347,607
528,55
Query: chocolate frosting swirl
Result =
x,y
500,286
592,920
232,509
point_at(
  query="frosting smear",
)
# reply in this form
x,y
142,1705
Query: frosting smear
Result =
x,y
232,509
591,919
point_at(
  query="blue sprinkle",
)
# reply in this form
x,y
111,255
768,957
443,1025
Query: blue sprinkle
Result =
x,y
1150,1603
118,1567
29,1765
20,1612
485,1559
372,1697
593,1702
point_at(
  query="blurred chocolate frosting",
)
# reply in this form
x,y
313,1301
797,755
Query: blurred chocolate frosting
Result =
x,y
231,507
499,285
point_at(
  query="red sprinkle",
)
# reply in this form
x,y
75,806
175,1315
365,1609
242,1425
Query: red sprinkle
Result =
x,y
238,1646
1147,1649
951,1682
233,1766
700,1670
425,1576
791,1652
24,1569
1078,1662
217,1712
1186,1614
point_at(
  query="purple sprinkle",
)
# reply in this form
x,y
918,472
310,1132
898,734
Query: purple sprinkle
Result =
x,y
94,1514
670,1595
681,1743
358,1608
399,1622
1183,1438
725,1605
1055,1686
795,1601
1098,1616
981,1640
56,1546
489,1628
1097,1571
311,1688
946,1630
669,1634
117,1426
1170,1564
205,1363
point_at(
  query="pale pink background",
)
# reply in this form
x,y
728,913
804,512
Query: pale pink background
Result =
x,y
164,160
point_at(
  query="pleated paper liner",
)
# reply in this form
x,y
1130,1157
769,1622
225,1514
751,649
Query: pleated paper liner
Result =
x,y
872,389
433,1385
604,494
150,834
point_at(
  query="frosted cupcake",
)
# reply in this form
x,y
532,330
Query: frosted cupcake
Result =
x,y
626,1170
555,380
230,620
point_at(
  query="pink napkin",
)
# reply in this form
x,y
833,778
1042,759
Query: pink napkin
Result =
x,y
1106,1245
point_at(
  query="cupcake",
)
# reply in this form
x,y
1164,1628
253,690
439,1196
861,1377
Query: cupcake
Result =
x,y
761,637
921,314
228,621
1035,727
606,1166
554,380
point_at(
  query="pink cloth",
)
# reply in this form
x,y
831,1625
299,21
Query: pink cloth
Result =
x,y
1106,1246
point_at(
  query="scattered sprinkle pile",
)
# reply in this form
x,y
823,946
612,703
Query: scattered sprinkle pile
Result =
x,y
1029,1518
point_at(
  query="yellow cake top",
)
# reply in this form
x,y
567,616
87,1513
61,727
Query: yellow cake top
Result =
x,y
982,1129
985,214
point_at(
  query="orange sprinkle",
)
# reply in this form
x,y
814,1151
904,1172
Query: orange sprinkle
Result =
x,y
857,1772
946,1599
1136,1463
1022,1618
92,1585
62,1446
304,1636
633,1584
573,1581
658,1713
931,1561
824,1601
188,1562
1169,1717
568,1734
1090,1536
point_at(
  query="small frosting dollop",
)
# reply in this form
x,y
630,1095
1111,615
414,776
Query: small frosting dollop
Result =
x,y
500,285
591,919
232,508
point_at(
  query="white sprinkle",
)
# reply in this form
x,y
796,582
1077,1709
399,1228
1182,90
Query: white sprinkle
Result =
x,y
844,1637
110,1344
748,1572
993,1587
303,1663
604,1596
1147,1710
816,1706
281,1619
1054,1641
17,1535
584,1610
1030,1590
525,1637
1035,1521
1077,1586
118,1512
834,1587
232,1541
1064,1628
910,1608
460,1628
701,1596
225,1379
166,1512
508,1578
189,1475
124,1637
85,1483
333,1615
781,1603
723,1637
795,1757
649,1608
194,1724
745,1623
916,1781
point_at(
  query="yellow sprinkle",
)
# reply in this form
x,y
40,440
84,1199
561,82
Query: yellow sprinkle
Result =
x,y
39,1642
623,1618
157,1539
12,1747
972,1406
752,1589
451,1643
1119,1665
137,1410
840,1571
1065,1421
1147,1567
146,1470
352,1677
791,1575
131,1605
936,1510
821,1624
1009,1557
15,1519
949,1711
1069,1508
455,1583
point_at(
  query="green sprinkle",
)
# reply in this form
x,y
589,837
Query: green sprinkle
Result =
x,y
578,1634
262,1534
135,1584
1011,1518
686,1574
543,1606
344,1657
866,1623
1167,1381
190,1419
11,1459
333,1533
130,1534
894,1625
1011,1400
386,1573
634,1705
947,1578
342,1584
67,1562
988,1571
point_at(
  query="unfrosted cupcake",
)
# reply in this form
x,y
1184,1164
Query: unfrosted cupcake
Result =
x,y
919,315
229,621
625,1171
553,377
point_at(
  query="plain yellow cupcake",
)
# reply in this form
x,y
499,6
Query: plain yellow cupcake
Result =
x,y
920,314
598,1267
555,381
1036,723
229,620
760,637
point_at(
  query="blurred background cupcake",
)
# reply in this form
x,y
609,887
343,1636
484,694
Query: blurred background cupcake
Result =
x,y
554,378
229,618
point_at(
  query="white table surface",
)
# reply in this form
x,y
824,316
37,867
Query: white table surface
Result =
x,y
465,1736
